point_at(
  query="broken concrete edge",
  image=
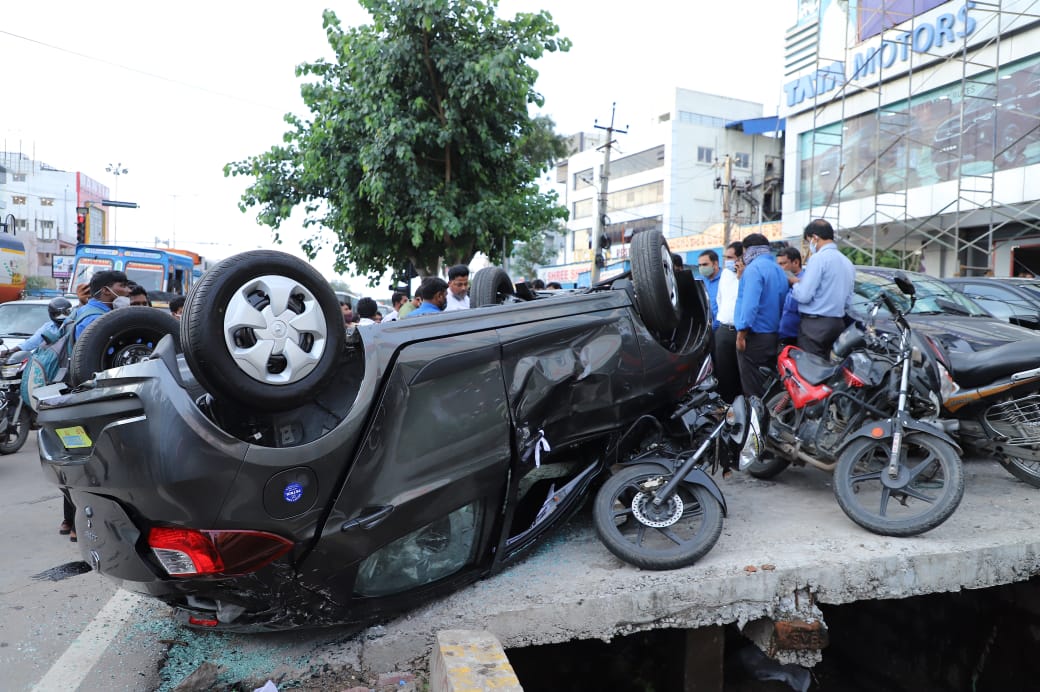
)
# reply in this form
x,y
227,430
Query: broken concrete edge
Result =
x,y
713,600
470,661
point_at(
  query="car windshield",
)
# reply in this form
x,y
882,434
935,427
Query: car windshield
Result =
x,y
1032,288
22,319
928,289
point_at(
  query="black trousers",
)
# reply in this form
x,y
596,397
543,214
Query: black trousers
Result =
x,y
817,334
725,359
759,352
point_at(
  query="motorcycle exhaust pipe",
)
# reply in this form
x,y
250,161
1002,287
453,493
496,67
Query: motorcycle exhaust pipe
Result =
x,y
964,397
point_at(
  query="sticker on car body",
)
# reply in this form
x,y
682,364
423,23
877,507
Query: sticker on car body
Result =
x,y
74,438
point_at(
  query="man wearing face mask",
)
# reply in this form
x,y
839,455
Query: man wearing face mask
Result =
x,y
710,273
724,353
108,290
822,291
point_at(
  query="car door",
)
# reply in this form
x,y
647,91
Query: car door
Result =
x,y
420,503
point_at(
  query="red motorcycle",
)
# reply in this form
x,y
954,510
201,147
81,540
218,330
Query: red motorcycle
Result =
x,y
860,418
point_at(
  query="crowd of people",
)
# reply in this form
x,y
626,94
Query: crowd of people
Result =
x,y
761,303
434,295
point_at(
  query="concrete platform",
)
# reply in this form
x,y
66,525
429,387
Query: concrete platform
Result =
x,y
785,545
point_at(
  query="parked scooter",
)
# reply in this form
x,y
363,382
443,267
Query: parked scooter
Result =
x,y
16,418
861,418
660,509
993,400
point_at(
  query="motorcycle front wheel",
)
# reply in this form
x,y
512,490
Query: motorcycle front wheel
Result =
x,y
926,492
16,433
674,534
781,415
1025,470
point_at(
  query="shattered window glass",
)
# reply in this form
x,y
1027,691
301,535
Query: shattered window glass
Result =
x,y
432,552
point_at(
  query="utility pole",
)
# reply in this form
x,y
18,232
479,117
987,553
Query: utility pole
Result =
x,y
604,177
727,190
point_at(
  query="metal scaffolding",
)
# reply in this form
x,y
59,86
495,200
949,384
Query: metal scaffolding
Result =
x,y
881,159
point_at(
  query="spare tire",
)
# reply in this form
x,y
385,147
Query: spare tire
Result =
x,y
491,286
653,277
264,329
121,337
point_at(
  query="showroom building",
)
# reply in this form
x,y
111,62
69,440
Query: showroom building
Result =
x,y
914,127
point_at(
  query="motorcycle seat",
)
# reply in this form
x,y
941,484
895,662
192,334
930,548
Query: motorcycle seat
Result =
x,y
978,368
812,368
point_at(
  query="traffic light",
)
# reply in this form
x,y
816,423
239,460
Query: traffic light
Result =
x,y
81,225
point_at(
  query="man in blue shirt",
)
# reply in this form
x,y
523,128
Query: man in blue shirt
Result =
x,y
822,291
790,260
105,288
760,300
709,272
434,294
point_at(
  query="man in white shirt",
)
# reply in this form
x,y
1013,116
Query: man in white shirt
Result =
x,y
724,355
366,310
458,288
396,300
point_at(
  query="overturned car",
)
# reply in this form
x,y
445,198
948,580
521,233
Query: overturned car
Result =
x,y
270,471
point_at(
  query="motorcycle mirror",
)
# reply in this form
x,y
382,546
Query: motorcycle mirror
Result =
x,y
904,284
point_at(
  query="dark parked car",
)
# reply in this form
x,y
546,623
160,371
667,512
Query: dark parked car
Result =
x,y
949,317
1014,300
278,473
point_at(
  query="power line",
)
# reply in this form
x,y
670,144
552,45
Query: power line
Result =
x,y
142,72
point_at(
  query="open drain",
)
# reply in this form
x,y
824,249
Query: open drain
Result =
x,y
69,569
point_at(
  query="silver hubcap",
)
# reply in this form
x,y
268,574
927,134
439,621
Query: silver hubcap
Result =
x,y
669,277
274,330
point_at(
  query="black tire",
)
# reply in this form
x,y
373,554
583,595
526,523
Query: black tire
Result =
x,y
121,337
653,277
242,344
772,464
13,440
693,530
1025,470
928,490
491,286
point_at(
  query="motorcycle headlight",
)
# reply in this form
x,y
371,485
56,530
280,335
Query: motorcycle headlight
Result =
x,y
947,387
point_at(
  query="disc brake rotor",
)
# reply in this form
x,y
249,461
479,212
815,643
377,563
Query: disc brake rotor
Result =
x,y
657,516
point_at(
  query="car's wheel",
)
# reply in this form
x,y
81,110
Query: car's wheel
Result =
x,y
653,276
262,328
121,337
13,438
491,286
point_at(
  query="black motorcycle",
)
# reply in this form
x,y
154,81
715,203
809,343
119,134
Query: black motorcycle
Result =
x,y
660,509
869,418
16,419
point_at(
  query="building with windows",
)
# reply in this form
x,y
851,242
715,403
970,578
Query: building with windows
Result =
x,y
39,203
670,174
914,127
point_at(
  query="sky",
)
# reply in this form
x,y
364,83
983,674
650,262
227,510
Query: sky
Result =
x,y
173,91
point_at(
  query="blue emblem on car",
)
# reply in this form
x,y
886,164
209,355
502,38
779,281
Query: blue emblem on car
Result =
x,y
292,492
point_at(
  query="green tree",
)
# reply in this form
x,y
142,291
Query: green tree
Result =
x,y
536,251
419,145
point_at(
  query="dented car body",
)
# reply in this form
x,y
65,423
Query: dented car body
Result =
x,y
434,452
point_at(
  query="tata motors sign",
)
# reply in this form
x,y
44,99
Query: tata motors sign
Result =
x,y
923,39
939,34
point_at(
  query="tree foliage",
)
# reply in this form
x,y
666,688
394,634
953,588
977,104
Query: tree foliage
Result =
x,y
418,145
536,251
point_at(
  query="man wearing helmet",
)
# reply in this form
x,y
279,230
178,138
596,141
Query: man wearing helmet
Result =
x,y
58,309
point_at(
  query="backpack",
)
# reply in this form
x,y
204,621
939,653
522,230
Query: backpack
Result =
x,y
49,364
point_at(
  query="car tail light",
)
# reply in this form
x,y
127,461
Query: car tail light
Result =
x,y
189,552
202,622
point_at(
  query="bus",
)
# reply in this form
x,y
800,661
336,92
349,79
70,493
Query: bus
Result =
x,y
156,270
